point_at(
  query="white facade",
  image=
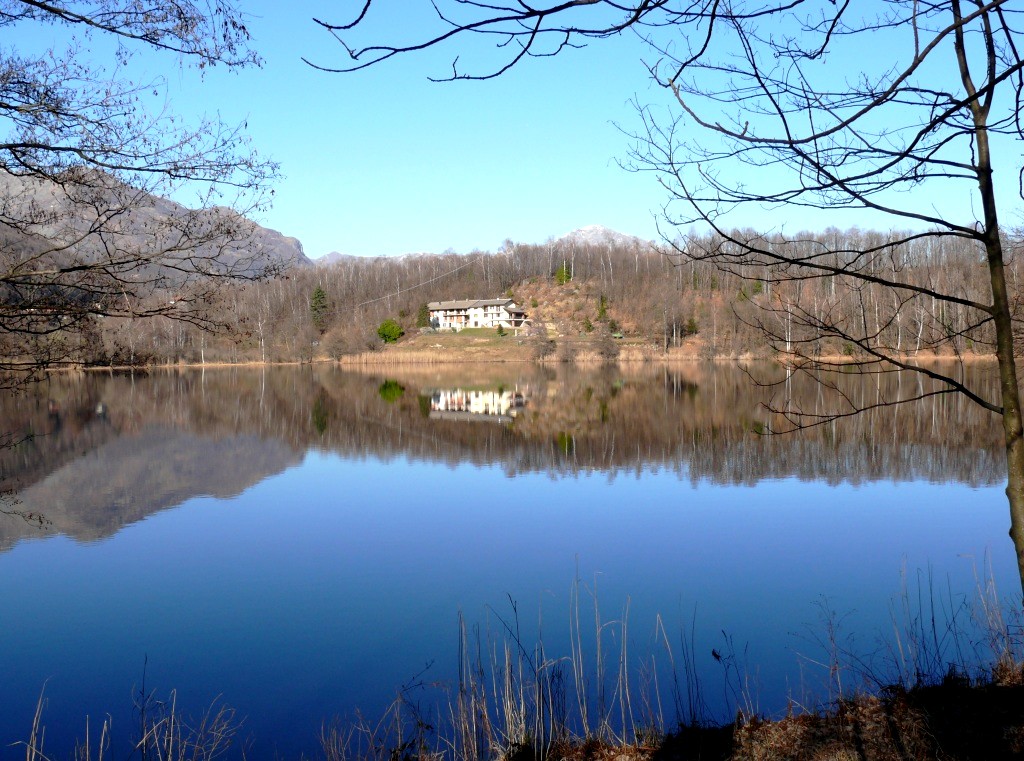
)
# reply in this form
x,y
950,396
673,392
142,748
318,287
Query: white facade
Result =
x,y
469,405
479,313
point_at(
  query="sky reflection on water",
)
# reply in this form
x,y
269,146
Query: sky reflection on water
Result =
x,y
329,583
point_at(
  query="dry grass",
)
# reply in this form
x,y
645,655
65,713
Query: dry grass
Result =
x,y
514,701
163,734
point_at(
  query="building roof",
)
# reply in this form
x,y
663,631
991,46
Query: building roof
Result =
x,y
468,304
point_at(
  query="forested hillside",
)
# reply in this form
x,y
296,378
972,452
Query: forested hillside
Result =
x,y
652,294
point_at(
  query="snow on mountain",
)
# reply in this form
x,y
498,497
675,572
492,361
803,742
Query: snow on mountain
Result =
x,y
591,235
334,257
599,235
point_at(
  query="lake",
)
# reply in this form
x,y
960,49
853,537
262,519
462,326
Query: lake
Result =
x,y
301,543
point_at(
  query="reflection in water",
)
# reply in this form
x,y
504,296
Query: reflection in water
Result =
x,y
499,405
330,525
97,452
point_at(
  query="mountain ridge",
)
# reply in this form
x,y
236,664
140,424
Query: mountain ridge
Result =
x,y
593,235
39,211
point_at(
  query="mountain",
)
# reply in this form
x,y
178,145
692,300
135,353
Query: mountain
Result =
x,y
598,235
334,257
99,218
591,235
131,476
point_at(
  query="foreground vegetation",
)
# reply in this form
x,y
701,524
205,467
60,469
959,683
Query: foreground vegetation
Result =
x,y
949,688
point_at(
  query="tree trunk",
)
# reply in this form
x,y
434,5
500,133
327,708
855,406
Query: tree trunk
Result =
x,y
1013,430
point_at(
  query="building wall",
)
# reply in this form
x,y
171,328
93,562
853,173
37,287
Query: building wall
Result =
x,y
474,317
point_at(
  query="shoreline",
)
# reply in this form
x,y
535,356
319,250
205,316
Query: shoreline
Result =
x,y
400,358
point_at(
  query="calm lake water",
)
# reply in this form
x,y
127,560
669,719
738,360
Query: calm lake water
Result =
x,y
301,542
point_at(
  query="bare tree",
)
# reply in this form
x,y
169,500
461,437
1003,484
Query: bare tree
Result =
x,y
86,167
909,136
904,109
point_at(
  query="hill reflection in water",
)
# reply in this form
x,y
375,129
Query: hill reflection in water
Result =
x,y
329,525
98,452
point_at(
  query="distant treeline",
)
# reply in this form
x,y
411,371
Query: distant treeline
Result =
x,y
647,291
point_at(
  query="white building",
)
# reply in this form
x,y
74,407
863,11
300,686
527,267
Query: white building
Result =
x,y
479,313
474,404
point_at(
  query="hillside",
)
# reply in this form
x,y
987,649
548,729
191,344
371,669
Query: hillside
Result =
x,y
612,296
90,265
86,220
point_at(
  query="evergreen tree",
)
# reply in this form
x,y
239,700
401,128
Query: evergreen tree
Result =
x,y
423,317
318,308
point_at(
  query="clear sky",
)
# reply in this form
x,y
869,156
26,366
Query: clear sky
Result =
x,y
385,162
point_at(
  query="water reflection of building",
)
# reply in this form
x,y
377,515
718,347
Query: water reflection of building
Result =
x,y
499,405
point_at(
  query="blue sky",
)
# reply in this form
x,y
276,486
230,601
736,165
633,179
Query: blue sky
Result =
x,y
385,162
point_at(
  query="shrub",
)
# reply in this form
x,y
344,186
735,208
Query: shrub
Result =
x,y
390,331
567,351
391,391
542,346
605,345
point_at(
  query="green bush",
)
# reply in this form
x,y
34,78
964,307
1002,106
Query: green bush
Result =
x,y
390,331
391,391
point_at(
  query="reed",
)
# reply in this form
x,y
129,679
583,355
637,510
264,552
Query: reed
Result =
x,y
949,679
163,733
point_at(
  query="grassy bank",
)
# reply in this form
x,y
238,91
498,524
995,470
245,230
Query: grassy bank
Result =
x,y
481,345
955,720
485,345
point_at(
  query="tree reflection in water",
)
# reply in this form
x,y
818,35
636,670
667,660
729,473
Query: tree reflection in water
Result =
x,y
335,579
94,452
